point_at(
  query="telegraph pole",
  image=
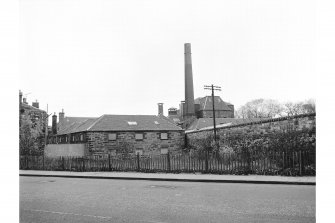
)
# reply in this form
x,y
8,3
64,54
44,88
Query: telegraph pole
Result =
x,y
213,88
46,128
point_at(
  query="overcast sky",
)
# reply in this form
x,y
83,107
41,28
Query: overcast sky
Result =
x,y
123,57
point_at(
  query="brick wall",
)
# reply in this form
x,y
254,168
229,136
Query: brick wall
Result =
x,y
99,142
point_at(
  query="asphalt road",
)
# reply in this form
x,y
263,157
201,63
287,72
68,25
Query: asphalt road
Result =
x,y
45,199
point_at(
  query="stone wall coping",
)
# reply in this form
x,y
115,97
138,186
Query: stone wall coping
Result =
x,y
254,122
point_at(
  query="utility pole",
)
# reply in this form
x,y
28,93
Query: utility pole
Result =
x,y
213,88
46,128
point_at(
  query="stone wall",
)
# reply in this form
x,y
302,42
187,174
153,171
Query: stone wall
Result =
x,y
99,142
295,128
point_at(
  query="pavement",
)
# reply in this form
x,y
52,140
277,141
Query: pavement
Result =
x,y
183,177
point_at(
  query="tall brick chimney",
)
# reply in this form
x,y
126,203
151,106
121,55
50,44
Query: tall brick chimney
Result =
x,y
61,117
160,109
189,92
54,124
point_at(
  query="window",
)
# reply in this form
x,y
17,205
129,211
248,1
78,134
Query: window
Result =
x,y
157,123
132,123
112,136
164,151
164,135
139,151
81,137
65,138
112,152
139,136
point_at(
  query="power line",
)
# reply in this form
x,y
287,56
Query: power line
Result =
x,y
213,88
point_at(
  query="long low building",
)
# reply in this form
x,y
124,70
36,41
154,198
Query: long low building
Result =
x,y
115,134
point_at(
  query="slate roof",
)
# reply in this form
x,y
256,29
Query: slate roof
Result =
x,y
208,122
30,107
206,103
118,123
173,119
144,123
76,124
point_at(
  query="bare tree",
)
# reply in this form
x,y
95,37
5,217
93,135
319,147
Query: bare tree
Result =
x,y
297,108
260,108
309,106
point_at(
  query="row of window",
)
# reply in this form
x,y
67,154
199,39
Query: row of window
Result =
x,y
67,139
138,136
140,151
111,137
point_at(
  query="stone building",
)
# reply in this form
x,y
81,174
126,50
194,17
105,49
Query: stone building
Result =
x,y
114,134
37,116
204,108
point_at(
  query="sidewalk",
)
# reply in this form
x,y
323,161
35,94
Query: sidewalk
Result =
x,y
184,177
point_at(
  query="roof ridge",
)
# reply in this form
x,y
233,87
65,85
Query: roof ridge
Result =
x,y
98,119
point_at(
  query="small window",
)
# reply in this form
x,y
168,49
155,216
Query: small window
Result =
x,y
73,138
132,123
164,135
139,152
157,123
112,136
164,151
139,136
112,152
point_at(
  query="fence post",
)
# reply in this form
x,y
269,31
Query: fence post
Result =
x,y
168,162
27,158
43,161
138,162
206,162
300,163
283,160
83,164
63,164
109,162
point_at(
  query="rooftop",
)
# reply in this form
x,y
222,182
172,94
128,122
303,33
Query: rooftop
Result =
x,y
206,103
118,123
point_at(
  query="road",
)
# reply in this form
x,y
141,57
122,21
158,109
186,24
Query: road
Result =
x,y
48,199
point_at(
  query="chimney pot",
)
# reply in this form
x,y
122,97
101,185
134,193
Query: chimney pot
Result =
x,y
54,124
36,104
61,118
160,109
20,96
